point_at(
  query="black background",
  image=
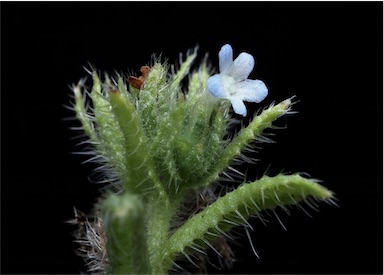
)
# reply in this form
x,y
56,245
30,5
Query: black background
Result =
x,y
328,54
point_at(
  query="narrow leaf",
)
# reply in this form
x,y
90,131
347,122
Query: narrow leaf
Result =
x,y
124,223
246,136
247,200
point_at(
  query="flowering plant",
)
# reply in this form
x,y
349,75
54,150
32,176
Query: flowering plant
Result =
x,y
164,151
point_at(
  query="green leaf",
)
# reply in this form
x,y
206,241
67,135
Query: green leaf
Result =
x,y
235,207
246,135
134,142
185,66
124,223
108,129
82,114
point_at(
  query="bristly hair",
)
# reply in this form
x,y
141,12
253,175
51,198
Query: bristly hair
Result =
x,y
91,240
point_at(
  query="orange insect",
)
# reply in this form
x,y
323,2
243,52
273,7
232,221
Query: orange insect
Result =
x,y
138,82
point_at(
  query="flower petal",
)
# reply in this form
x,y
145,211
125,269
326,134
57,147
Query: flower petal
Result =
x,y
251,90
242,66
215,86
225,58
238,106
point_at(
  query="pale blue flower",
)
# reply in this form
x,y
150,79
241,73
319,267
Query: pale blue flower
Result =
x,y
232,83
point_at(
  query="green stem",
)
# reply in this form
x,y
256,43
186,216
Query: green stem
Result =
x,y
161,211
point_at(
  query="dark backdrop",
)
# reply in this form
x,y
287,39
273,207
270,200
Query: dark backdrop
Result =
x,y
328,54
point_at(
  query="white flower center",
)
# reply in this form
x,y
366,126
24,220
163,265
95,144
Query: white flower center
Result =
x,y
229,85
